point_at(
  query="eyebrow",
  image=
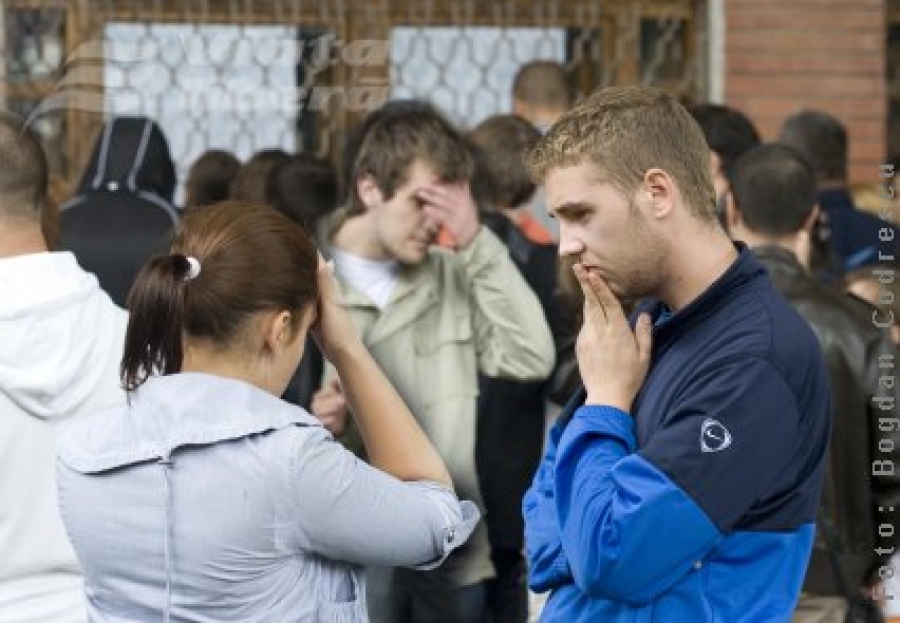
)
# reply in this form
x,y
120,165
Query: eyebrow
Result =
x,y
569,209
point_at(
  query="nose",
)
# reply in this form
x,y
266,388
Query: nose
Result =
x,y
569,244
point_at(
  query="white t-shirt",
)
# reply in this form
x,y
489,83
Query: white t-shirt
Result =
x,y
375,278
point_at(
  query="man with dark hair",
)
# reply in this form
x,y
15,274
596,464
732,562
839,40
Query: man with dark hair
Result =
x,y
501,143
304,188
681,484
61,342
729,134
772,208
434,319
856,239
209,178
506,462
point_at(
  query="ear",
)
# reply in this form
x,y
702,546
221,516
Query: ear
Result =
x,y
279,331
368,191
810,222
660,191
520,109
732,213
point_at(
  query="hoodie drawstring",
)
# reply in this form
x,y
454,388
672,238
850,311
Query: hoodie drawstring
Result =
x,y
166,463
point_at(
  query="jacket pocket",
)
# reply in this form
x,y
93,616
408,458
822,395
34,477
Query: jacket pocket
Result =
x,y
443,331
445,360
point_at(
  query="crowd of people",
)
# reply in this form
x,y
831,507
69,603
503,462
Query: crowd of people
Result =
x,y
617,350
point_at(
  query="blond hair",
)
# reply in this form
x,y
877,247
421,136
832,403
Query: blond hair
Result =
x,y
625,131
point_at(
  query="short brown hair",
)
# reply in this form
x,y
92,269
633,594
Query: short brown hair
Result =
x,y
304,188
625,131
544,84
252,258
250,182
210,176
501,143
24,174
394,139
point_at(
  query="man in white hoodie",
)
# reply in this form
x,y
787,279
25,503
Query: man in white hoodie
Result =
x,y
60,346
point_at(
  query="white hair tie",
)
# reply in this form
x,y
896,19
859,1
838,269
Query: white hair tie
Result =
x,y
193,268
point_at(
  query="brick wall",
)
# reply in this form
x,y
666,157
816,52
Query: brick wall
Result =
x,y
784,55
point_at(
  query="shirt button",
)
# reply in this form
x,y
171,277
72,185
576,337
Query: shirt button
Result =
x,y
698,565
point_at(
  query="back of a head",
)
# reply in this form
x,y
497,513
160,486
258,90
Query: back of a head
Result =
x,y
501,143
132,155
821,139
228,262
728,131
543,84
24,173
250,182
626,131
304,188
395,139
210,176
774,189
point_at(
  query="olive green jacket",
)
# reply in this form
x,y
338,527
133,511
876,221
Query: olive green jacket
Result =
x,y
449,318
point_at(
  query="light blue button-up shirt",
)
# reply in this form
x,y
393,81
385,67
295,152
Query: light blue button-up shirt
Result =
x,y
207,499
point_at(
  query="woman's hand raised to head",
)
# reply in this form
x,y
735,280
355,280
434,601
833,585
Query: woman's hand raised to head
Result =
x,y
333,330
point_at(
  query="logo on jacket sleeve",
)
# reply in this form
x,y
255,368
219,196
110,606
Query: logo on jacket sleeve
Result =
x,y
714,437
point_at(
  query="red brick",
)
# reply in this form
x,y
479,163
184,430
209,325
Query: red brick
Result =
x,y
793,19
827,44
813,65
844,86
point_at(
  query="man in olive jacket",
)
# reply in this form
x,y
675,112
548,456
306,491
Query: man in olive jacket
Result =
x,y
772,208
433,319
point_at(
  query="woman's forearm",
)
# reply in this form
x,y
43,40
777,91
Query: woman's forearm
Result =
x,y
394,441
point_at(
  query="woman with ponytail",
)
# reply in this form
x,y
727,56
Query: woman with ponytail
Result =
x,y
206,497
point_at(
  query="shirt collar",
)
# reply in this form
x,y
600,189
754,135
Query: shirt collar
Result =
x,y
169,412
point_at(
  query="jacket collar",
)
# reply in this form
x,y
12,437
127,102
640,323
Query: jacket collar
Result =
x,y
834,199
414,294
780,261
744,270
169,412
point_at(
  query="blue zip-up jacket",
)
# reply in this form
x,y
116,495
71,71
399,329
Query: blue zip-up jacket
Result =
x,y
701,506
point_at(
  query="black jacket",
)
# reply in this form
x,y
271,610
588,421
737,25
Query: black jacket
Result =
x,y
122,213
853,347
510,431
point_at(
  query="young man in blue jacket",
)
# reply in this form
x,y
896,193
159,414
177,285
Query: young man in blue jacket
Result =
x,y
681,484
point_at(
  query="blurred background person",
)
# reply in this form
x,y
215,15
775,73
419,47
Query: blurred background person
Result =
x,y
209,178
729,134
252,179
122,212
852,235
61,340
773,209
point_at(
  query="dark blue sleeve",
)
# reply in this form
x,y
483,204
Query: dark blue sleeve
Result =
x,y
732,434
627,531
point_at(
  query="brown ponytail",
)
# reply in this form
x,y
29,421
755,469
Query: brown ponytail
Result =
x,y
157,318
251,258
